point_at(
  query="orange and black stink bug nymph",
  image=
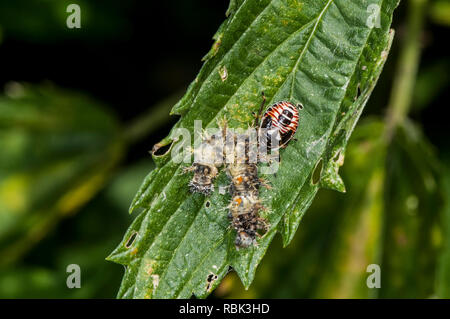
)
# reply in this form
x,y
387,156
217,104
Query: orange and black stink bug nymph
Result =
x,y
281,122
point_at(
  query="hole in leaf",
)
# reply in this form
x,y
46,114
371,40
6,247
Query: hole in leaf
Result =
x,y
131,240
336,157
207,204
300,106
317,172
211,277
161,149
210,280
358,91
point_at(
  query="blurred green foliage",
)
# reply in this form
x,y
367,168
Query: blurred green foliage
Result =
x,y
45,21
66,181
440,12
57,150
84,240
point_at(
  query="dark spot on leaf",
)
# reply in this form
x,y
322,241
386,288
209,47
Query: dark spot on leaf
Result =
x,y
131,240
210,280
207,204
358,91
211,277
317,172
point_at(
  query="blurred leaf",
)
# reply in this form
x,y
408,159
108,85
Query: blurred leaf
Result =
x,y
57,150
413,203
440,12
431,81
357,237
45,21
152,120
320,53
29,282
124,186
84,241
443,275
391,218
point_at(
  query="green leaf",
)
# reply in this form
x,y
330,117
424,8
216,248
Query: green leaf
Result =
x,y
320,53
431,82
440,12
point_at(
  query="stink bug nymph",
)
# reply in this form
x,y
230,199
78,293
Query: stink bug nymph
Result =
x,y
281,122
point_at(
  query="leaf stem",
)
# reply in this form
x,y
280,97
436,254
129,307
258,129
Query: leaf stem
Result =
x,y
151,120
405,76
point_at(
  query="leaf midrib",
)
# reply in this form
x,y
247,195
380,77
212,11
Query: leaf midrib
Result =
x,y
304,50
